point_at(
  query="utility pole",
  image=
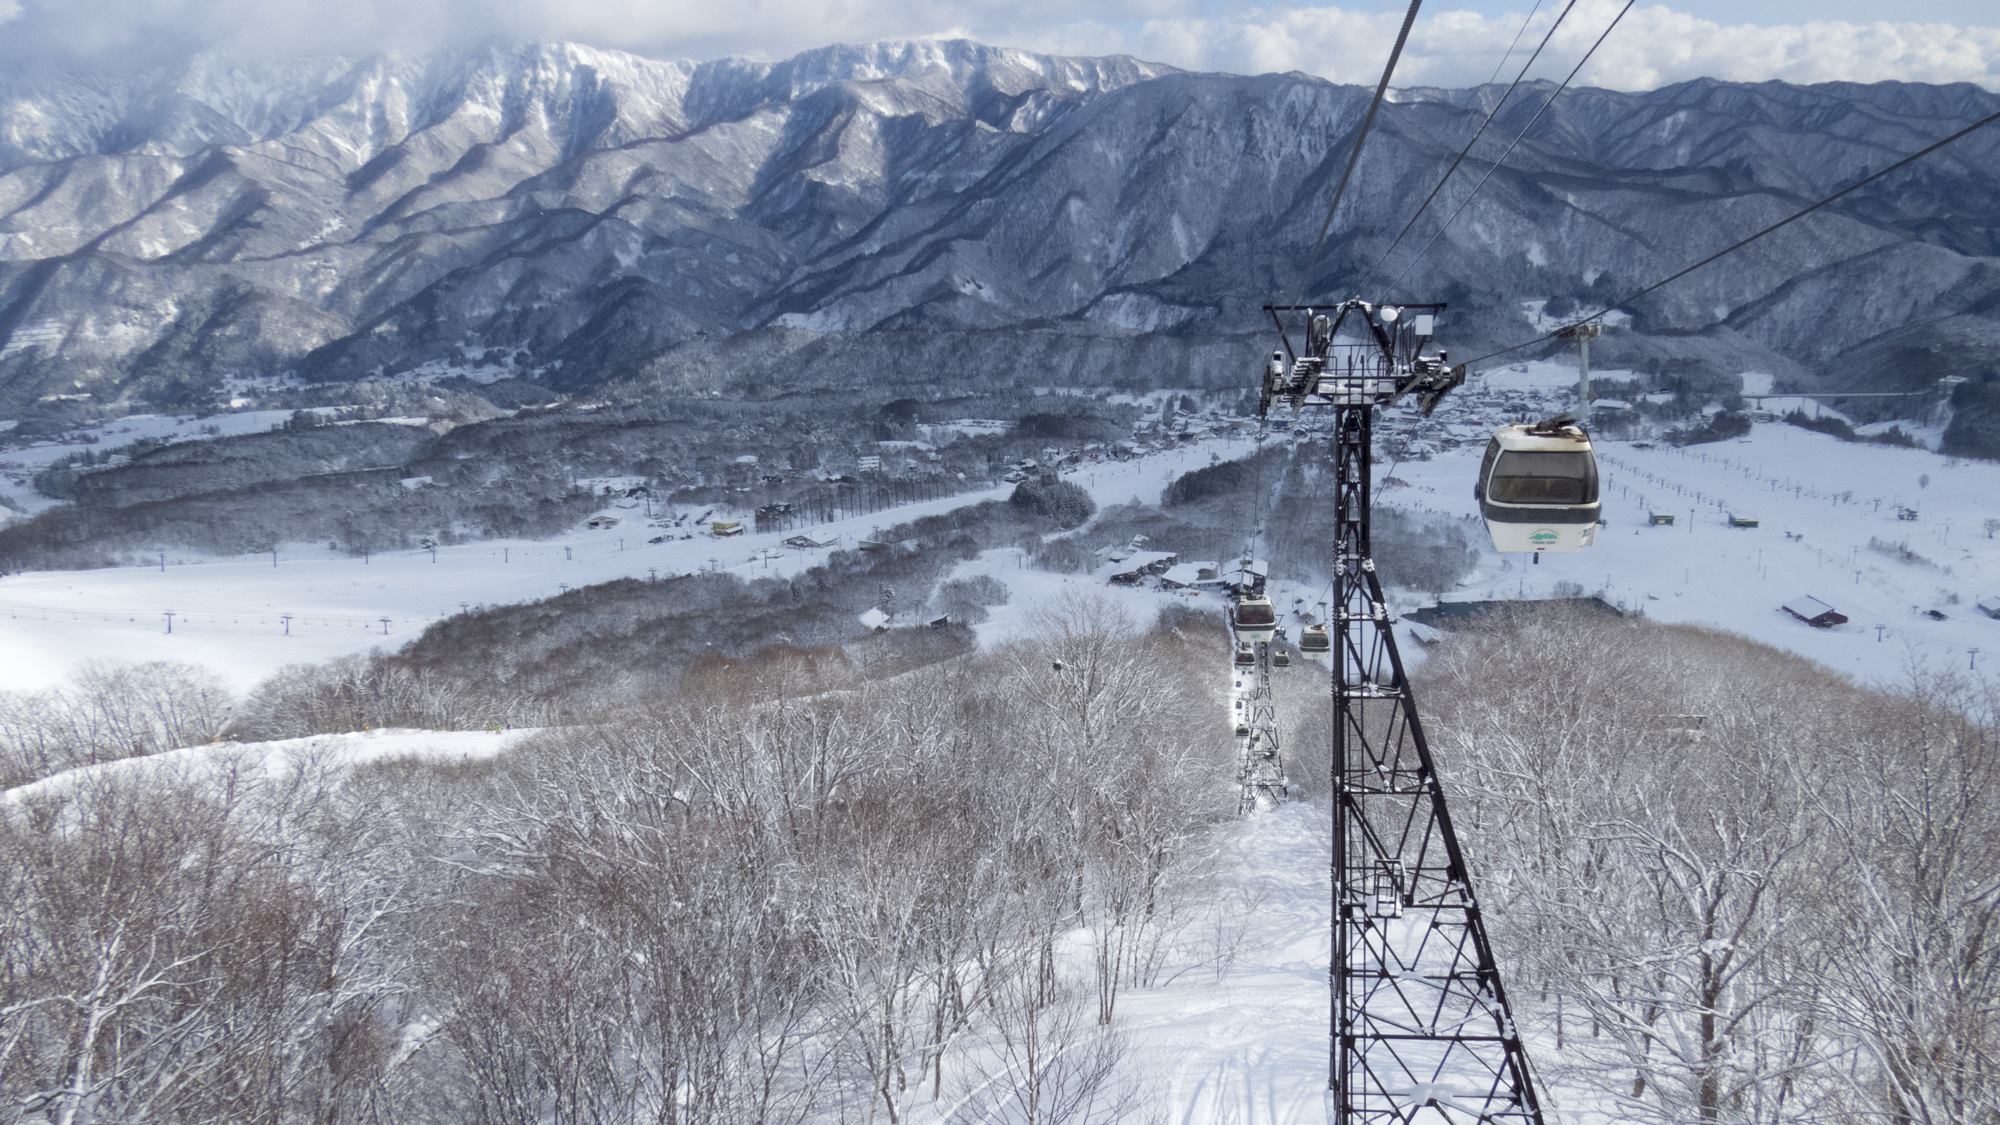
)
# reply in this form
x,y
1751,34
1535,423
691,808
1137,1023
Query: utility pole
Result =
x,y
170,622
385,626
286,619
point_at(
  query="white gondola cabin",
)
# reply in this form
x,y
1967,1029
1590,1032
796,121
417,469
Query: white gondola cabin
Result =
x,y
1255,619
1537,488
1246,657
1315,639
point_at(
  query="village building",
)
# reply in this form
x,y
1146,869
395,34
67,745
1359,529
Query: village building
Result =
x,y
1814,612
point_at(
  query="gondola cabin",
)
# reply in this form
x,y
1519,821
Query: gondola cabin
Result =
x,y
1315,639
1246,657
1255,619
1537,488
1281,659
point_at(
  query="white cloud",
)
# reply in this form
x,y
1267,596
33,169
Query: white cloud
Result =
x,y
1655,44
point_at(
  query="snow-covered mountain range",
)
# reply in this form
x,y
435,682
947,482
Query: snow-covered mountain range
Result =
x,y
587,214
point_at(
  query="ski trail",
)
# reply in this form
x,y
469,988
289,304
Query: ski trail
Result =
x,y
1243,1074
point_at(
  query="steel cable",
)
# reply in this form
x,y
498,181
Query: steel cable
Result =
x,y
1495,166
1742,242
1480,132
1354,156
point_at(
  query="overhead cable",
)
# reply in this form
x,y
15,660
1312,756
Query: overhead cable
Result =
x,y
1354,156
1495,166
1480,132
1741,243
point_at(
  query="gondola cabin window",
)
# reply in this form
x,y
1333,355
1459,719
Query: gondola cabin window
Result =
x,y
1545,478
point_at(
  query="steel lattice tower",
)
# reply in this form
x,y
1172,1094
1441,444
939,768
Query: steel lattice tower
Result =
x,y
1421,1030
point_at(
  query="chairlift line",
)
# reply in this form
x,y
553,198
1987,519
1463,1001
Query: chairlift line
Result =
x,y
1402,892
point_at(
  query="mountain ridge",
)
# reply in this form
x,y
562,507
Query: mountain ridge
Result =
x,y
594,214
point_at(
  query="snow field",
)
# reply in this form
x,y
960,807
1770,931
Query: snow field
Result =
x,y
273,762
228,613
18,466
1819,501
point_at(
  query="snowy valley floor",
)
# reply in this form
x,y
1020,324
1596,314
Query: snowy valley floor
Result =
x,y
1236,1029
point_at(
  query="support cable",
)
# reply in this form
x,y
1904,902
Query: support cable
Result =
x,y
1741,243
1522,30
1518,137
1480,132
1354,156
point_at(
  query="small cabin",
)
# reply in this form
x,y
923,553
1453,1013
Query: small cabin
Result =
x,y
1659,519
723,529
1742,521
601,523
1989,606
1814,612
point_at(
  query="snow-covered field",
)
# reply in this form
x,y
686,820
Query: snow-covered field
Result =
x,y
274,761
1819,503
228,614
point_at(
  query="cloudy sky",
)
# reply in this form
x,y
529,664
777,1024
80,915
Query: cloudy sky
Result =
x,y
1456,42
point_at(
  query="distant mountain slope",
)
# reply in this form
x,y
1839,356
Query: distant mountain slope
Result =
x,y
589,211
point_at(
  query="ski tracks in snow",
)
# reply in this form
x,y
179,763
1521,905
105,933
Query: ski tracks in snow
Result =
x,y
1243,1074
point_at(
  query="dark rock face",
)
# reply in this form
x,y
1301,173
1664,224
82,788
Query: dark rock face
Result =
x,y
575,216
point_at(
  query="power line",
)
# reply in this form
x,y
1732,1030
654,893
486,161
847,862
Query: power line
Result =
x,y
1480,132
1495,166
1741,243
1353,157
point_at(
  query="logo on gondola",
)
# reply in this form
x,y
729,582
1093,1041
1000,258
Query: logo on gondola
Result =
x,y
1544,537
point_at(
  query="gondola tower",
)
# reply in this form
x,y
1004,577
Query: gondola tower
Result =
x,y
1421,1033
